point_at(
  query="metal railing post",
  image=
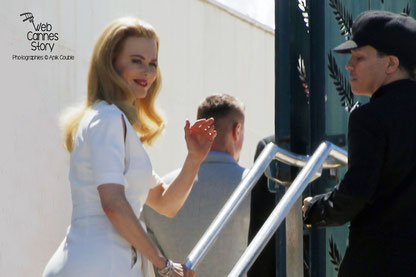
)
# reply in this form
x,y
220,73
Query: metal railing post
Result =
x,y
294,240
279,213
230,206
270,151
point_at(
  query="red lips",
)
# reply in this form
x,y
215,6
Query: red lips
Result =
x,y
141,82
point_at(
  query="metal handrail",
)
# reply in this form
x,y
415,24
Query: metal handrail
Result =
x,y
301,160
211,234
269,152
314,164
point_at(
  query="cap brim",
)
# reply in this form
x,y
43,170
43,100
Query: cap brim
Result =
x,y
346,47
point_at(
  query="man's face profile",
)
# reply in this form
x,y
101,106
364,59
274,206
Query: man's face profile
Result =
x,y
367,70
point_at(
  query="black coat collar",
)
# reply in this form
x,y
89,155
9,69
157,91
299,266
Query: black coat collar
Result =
x,y
396,85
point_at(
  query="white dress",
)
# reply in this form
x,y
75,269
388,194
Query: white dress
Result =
x,y
92,246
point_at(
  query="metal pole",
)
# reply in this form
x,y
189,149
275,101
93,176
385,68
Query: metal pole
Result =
x,y
294,240
339,154
230,206
279,213
289,158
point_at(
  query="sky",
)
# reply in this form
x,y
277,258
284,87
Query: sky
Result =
x,y
260,10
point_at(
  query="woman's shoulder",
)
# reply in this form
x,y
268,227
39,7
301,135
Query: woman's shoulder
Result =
x,y
102,113
103,108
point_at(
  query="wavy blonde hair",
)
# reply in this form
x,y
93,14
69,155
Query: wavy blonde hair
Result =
x,y
104,83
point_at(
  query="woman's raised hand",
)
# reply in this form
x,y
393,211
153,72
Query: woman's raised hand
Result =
x,y
199,137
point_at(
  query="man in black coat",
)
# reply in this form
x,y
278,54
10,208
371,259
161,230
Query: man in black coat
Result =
x,y
377,194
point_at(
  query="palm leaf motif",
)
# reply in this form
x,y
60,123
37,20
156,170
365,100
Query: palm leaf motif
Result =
x,y
302,75
343,17
336,258
341,83
406,10
305,13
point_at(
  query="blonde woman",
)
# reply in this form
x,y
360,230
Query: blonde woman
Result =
x,y
110,173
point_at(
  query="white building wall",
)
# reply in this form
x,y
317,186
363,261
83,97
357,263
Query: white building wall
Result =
x,y
204,49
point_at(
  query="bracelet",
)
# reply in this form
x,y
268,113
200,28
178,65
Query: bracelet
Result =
x,y
167,270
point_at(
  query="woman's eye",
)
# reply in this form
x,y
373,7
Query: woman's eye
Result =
x,y
136,61
153,65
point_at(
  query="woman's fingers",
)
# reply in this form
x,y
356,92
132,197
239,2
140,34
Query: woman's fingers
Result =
x,y
202,125
188,272
205,128
182,271
187,129
212,135
203,121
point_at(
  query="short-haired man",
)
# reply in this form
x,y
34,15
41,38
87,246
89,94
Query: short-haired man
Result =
x,y
217,178
377,194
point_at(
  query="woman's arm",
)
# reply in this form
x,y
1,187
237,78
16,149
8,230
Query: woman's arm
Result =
x,y
168,202
121,215
199,139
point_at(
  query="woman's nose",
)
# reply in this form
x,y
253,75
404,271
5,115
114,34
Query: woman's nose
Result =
x,y
147,69
143,67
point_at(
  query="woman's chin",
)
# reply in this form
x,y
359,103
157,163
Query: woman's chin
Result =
x,y
140,94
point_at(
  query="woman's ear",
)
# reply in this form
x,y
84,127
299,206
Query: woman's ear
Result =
x,y
393,64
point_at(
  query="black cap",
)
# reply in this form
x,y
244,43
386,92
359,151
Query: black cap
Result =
x,y
390,33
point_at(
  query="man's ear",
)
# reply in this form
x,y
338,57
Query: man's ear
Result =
x,y
393,64
236,130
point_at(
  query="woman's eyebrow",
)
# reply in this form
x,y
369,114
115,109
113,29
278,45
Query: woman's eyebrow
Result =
x,y
137,55
141,57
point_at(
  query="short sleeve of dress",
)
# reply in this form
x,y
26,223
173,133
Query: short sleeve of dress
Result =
x,y
156,180
107,148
